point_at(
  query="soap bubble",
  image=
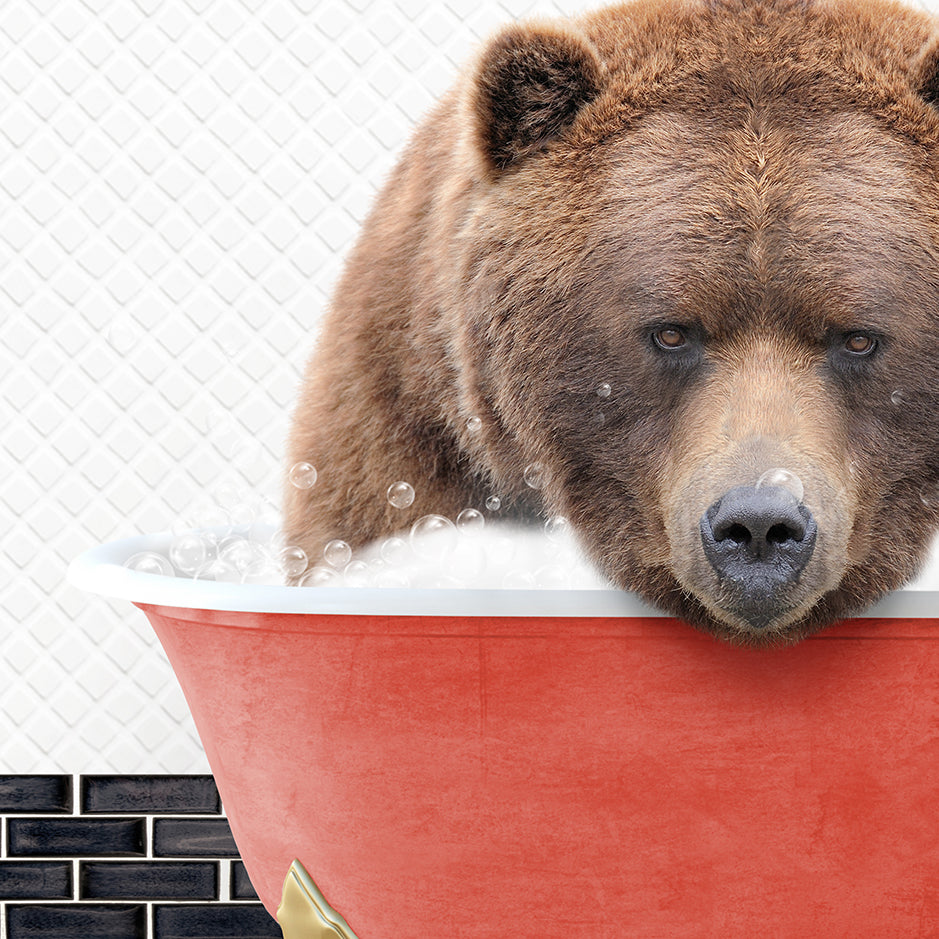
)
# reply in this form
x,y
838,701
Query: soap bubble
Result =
x,y
784,480
493,503
470,520
392,579
337,554
519,580
239,552
320,577
266,519
898,399
355,574
224,433
444,582
552,577
263,571
149,562
433,536
293,560
401,495
534,475
229,494
302,475
394,550
219,571
188,552
205,513
604,390
241,514
557,527
474,424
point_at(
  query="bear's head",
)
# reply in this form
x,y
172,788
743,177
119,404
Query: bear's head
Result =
x,y
696,280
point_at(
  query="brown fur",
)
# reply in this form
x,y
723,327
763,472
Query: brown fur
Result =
x,y
763,174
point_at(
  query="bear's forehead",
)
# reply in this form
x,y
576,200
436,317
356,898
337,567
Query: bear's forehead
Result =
x,y
763,217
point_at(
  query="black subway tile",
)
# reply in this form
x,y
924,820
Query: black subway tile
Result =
x,y
247,921
35,880
76,837
178,795
241,886
35,794
193,837
150,880
76,921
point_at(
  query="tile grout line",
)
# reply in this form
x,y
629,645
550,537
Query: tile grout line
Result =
x,y
224,881
76,813
3,853
149,927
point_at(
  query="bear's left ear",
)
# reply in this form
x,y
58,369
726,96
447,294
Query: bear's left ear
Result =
x,y
925,72
530,83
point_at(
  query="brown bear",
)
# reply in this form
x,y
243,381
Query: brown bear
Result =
x,y
660,250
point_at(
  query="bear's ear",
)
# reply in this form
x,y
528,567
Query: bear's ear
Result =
x,y
925,72
530,83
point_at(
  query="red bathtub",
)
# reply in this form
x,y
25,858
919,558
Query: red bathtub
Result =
x,y
555,764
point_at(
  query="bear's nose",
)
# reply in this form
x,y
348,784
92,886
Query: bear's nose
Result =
x,y
758,541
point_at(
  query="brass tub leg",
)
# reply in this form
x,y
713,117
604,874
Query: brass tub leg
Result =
x,y
304,913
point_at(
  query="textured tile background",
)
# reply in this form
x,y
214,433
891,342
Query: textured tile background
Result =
x,y
179,181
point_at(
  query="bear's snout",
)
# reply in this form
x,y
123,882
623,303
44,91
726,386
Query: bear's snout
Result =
x,y
758,540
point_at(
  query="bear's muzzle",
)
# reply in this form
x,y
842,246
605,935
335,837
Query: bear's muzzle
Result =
x,y
758,540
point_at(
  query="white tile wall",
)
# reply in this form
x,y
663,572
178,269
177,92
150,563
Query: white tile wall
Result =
x,y
179,181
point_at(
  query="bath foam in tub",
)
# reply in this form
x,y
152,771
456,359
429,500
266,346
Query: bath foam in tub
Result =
x,y
436,553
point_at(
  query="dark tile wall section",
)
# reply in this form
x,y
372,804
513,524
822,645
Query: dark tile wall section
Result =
x,y
75,837
153,880
241,886
195,837
181,922
122,857
77,921
151,795
35,794
35,880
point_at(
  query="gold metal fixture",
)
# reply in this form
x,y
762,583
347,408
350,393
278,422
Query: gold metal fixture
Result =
x,y
304,913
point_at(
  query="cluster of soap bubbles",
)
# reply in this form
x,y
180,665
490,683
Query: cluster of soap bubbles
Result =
x,y
438,552
230,536
233,539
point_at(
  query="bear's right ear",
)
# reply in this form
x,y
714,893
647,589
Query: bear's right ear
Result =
x,y
530,84
925,72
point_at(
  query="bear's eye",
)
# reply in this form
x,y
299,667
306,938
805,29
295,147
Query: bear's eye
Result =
x,y
669,338
860,344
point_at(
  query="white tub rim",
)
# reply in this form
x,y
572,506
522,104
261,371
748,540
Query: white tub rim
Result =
x,y
100,570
